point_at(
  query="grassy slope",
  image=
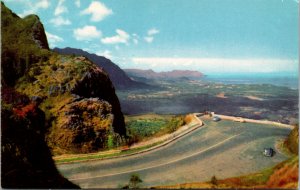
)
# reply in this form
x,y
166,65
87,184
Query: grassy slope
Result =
x,y
283,175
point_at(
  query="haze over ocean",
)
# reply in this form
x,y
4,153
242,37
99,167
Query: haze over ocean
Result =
x,y
277,80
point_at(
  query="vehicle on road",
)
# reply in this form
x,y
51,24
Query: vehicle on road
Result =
x,y
216,118
269,152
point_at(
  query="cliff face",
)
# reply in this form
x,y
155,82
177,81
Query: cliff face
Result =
x,y
38,32
81,108
103,89
26,159
22,40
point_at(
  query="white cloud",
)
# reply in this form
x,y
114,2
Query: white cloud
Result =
x,y
60,8
152,32
77,3
121,37
217,65
59,21
35,7
150,35
135,38
86,33
105,53
98,11
43,4
149,39
53,39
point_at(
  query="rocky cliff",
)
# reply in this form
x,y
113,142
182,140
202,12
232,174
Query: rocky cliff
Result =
x,y
25,158
81,108
118,77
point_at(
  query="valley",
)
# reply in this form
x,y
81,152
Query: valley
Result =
x,y
256,101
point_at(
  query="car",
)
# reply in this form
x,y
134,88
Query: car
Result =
x,y
216,118
268,152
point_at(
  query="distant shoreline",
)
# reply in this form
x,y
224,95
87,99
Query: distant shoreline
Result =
x,y
276,80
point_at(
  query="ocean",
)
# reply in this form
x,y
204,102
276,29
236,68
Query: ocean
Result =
x,y
278,80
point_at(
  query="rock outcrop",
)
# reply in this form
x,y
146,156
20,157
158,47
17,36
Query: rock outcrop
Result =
x,y
118,77
25,157
38,32
60,83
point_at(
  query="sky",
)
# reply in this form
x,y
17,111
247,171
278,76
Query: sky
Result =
x,y
211,36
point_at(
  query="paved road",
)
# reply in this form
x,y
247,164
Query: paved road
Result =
x,y
223,149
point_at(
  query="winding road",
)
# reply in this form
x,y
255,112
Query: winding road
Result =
x,y
222,149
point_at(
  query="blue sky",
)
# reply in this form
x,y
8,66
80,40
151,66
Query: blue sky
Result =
x,y
212,36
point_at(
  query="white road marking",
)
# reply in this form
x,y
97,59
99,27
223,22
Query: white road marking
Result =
x,y
159,165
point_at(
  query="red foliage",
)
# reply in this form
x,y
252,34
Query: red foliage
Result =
x,y
283,176
24,111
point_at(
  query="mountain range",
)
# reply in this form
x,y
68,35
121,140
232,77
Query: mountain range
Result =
x,y
175,74
118,77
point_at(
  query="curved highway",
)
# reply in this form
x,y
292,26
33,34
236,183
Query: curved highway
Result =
x,y
223,149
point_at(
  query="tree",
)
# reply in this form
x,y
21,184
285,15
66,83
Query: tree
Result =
x,y
214,180
134,181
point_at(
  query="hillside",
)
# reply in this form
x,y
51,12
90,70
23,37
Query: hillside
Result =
x,y
118,77
175,74
292,141
78,99
25,158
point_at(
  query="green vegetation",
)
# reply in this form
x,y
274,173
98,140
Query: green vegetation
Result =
x,y
145,127
134,182
292,141
18,54
95,156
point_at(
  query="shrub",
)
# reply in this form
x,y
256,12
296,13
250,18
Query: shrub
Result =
x,y
54,67
189,118
175,123
36,71
110,142
214,180
134,181
292,141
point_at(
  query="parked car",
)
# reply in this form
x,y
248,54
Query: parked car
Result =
x,y
269,152
216,118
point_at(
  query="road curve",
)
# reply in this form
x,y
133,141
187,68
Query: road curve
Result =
x,y
222,149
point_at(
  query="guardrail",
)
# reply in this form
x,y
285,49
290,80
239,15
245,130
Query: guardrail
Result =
x,y
246,120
